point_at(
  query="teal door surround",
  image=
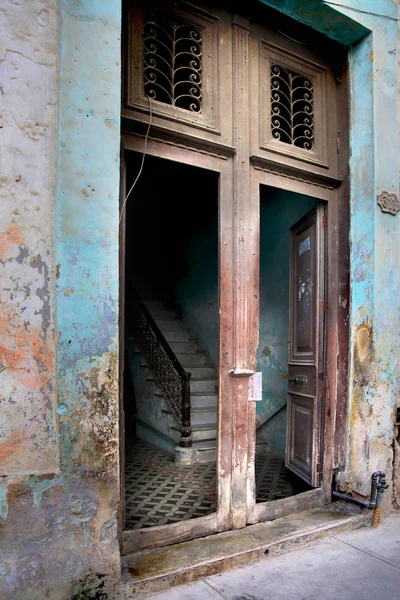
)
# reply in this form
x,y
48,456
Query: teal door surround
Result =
x,y
369,29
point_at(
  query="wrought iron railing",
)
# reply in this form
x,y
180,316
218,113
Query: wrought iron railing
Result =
x,y
169,374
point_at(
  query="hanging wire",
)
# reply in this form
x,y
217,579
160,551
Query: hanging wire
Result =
x,y
364,12
141,166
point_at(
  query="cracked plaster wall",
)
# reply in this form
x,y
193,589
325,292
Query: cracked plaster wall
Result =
x,y
59,484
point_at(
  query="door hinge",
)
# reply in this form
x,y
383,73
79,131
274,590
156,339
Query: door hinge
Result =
x,y
324,222
323,304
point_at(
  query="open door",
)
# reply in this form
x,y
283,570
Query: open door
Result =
x,y
306,347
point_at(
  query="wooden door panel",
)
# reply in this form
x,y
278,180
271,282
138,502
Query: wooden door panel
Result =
x,y
304,288
301,418
306,330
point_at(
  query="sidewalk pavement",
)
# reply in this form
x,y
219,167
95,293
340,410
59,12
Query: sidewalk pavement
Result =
x,y
355,565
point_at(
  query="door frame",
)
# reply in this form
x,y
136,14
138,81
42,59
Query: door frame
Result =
x,y
336,337
220,162
240,177
233,387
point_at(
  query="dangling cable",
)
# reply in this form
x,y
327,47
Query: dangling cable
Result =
x,y
141,166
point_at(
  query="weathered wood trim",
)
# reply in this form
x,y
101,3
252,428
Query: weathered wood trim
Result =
x,y
254,308
241,266
187,156
176,138
339,418
225,388
221,520
269,511
135,99
121,362
295,172
165,535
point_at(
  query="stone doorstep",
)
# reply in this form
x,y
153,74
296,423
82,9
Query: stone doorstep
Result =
x,y
150,571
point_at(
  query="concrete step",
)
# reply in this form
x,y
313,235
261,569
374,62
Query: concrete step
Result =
x,y
154,305
201,432
184,347
202,372
188,360
207,431
206,456
163,315
176,335
199,400
167,324
202,416
205,386
205,445
149,571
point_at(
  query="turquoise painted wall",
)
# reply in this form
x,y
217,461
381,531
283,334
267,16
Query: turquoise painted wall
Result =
x,y
279,210
86,254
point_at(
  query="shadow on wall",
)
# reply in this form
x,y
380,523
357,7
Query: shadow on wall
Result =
x,y
172,241
279,210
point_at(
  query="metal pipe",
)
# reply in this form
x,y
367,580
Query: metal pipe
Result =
x,y
351,499
378,487
381,486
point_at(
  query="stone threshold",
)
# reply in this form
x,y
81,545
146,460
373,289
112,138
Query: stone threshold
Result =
x,y
150,571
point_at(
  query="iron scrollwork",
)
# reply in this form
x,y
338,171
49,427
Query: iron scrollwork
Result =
x,y
292,107
172,57
170,376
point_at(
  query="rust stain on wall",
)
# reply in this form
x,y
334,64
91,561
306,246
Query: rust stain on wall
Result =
x,y
12,445
9,238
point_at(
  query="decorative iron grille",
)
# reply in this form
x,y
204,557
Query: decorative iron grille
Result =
x,y
292,107
172,61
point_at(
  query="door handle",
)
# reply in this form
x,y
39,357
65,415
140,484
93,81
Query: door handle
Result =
x,y
299,379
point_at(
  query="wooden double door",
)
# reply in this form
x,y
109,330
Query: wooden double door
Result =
x,y
249,78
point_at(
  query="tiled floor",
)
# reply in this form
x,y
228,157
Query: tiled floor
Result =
x,y
158,492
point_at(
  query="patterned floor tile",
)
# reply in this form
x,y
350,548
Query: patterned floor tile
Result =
x,y
159,492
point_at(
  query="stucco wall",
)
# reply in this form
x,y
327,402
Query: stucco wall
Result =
x,y
59,489
28,63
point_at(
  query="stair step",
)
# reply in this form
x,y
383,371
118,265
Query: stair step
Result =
x,y
188,360
163,315
199,400
204,402
203,385
184,347
206,431
177,335
203,432
147,572
168,324
203,445
154,305
202,372
203,416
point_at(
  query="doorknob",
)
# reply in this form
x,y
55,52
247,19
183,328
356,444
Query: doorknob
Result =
x,y
300,379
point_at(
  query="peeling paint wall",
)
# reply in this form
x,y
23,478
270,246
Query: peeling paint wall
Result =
x,y
375,266
28,80
59,479
59,485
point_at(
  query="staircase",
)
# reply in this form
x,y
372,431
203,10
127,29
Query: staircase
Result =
x,y
203,385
